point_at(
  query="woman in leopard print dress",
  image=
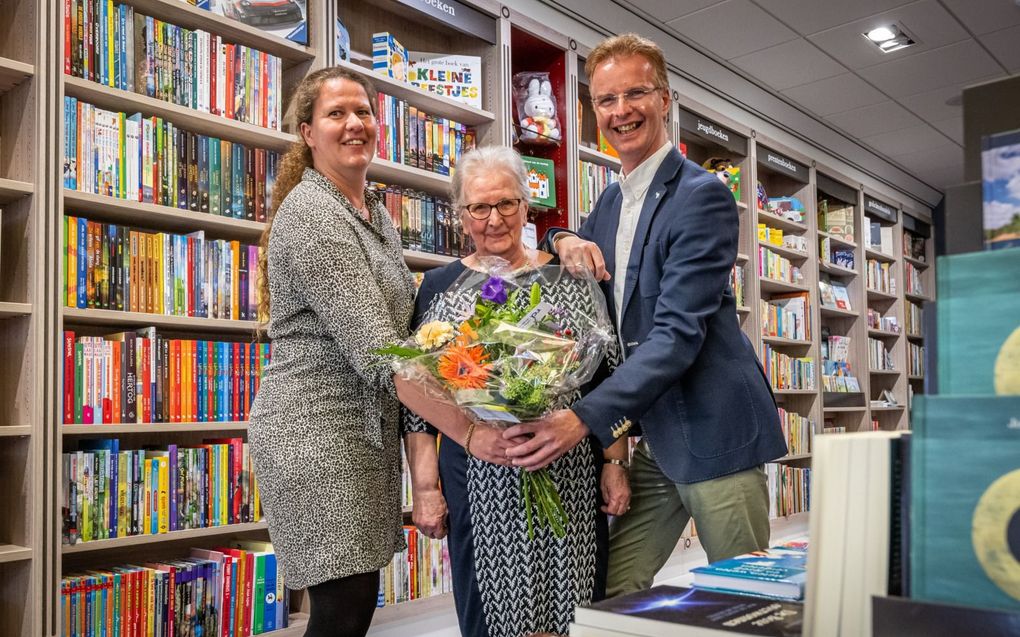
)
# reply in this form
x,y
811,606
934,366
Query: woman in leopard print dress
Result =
x,y
324,427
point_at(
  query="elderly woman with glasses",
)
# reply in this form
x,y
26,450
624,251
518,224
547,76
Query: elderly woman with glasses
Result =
x,y
505,584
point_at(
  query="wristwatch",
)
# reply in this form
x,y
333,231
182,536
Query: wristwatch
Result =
x,y
623,463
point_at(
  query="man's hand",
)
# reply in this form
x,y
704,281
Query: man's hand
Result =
x,y
615,489
577,254
429,512
551,437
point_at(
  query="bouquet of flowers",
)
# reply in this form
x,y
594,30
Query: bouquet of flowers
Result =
x,y
513,356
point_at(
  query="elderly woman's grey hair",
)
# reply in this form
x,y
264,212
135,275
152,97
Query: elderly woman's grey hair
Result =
x,y
486,160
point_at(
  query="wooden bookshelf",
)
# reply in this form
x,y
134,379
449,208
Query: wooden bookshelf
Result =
x,y
917,298
8,310
837,240
921,265
775,221
13,553
15,431
598,157
883,333
153,428
838,313
794,458
137,540
879,256
838,270
425,260
114,318
789,253
775,285
793,342
12,190
389,172
13,73
878,295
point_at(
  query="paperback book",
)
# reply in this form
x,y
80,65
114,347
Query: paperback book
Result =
x,y
455,76
778,572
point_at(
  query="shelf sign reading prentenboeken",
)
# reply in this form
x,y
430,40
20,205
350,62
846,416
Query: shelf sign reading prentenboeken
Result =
x,y
691,124
458,16
879,209
783,164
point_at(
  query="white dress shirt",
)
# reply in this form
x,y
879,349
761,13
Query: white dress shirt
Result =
x,y
634,187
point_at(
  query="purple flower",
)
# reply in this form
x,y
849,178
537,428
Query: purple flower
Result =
x,y
494,290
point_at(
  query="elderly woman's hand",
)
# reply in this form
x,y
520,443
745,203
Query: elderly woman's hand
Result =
x,y
429,512
578,255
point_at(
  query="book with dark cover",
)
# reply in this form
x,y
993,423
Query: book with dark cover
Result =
x,y
900,617
661,611
965,509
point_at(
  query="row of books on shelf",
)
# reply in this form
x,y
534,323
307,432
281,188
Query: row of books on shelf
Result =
x,y
880,237
114,267
409,136
237,591
592,180
836,218
880,277
112,493
142,377
912,279
913,246
773,266
886,323
737,284
913,315
834,294
831,253
421,570
150,160
776,237
797,430
786,316
915,359
426,223
788,372
840,383
879,357
789,489
114,46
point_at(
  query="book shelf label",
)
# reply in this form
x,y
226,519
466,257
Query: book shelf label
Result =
x,y
458,16
714,133
783,164
876,208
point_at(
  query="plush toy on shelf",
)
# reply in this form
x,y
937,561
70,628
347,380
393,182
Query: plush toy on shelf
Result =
x,y
726,172
536,108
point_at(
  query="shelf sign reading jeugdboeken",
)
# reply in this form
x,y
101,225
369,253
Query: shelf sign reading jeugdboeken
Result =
x,y
692,124
457,16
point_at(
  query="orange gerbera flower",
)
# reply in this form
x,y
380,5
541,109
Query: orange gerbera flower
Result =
x,y
464,367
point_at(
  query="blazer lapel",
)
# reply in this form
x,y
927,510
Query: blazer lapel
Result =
x,y
605,236
653,199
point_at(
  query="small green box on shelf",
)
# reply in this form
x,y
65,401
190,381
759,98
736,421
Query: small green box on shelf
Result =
x,y
541,181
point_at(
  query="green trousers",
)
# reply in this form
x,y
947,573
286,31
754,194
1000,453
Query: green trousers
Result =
x,y
731,514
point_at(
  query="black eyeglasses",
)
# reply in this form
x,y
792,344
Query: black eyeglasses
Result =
x,y
506,207
608,102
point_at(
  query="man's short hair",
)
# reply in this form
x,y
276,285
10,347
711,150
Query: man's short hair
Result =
x,y
627,44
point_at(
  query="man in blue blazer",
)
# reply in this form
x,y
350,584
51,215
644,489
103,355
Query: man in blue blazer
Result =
x,y
690,379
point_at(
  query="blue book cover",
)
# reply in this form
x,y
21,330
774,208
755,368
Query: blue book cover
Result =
x,y
269,611
112,447
779,571
979,351
965,507
1000,172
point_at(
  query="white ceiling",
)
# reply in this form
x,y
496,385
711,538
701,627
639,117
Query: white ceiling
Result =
x,y
903,105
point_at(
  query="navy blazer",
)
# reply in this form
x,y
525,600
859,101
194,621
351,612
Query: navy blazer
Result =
x,y
691,377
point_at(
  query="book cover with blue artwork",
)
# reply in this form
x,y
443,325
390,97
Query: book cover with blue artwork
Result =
x,y
779,571
1000,189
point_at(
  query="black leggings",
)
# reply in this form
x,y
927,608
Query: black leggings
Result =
x,y
343,607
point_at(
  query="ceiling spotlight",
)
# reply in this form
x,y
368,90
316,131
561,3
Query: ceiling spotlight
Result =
x,y
881,34
889,38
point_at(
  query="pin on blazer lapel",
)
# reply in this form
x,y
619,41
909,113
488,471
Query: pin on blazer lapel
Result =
x,y
656,194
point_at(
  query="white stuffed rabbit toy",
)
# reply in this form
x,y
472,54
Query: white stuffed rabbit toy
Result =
x,y
539,123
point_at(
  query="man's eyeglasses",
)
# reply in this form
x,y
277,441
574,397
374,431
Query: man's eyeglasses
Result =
x,y
481,211
607,103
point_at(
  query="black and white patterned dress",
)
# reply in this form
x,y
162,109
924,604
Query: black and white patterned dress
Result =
x,y
324,428
505,584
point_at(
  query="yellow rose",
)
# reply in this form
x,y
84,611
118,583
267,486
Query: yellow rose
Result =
x,y
433,334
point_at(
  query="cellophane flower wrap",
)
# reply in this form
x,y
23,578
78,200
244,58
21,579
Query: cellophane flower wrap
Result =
x,y
513,356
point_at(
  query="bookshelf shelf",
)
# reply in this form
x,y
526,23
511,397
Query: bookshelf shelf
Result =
x,y
915,337
794,457
775,285
296,628
14,553
914,377
425,260
836,240
115,318
234,31
12,190
433,104
794,392
136,540
152,428
879,256
741,205
917,298
876,295
156,217
778,340
393,613
15,431
742,258
842,410
884,372
835,312
883,333
389,172
775,221
12,73
598,157
182,116
837,270
921,265
9,310
743,309
890,408
789,253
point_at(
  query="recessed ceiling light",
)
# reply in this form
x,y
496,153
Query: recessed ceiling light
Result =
x,y
889,38
881,34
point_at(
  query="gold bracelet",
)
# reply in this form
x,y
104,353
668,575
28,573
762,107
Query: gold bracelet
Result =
x,y
618,461
467,439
